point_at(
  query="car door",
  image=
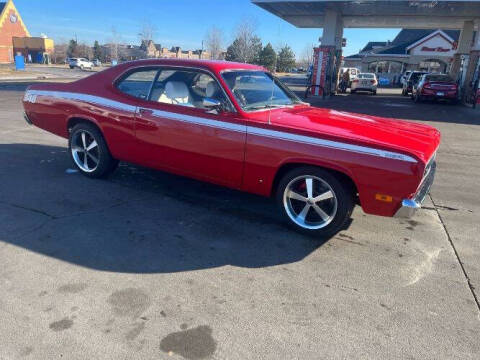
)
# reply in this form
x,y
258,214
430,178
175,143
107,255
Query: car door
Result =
x,y
176,132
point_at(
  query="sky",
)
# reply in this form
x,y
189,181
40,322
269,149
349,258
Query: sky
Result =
x,y
183,23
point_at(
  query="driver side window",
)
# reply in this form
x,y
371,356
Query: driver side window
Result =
x,y
187,88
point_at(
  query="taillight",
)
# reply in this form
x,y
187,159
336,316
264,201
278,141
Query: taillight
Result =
x,y
373,82
427,86
355,81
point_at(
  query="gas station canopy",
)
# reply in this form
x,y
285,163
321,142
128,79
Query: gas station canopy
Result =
x,y
376,14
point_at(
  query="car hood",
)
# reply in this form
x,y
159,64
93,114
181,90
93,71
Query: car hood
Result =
x,y
417,140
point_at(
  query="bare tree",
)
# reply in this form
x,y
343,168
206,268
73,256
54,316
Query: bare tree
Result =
x,y
114,44
214,42
59,54
245,33
147,31
85,51
247,45
307,55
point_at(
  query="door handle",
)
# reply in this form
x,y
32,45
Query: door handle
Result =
x,y
143,111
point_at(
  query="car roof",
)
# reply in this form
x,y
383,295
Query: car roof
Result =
x,y
212,65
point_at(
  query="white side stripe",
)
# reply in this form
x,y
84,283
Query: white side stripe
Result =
x,y
31,95
200,121
81,97
328,143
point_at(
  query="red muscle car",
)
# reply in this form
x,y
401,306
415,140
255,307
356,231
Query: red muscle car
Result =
x,y
238,126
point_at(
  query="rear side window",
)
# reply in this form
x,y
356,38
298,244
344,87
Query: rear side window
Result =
x,y
438,77
138,83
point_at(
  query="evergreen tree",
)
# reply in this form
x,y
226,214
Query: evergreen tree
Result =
x,y
72,48
286,59
97,50
268,57
233,51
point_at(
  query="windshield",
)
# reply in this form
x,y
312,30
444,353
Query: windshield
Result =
x,y
415,76
256,90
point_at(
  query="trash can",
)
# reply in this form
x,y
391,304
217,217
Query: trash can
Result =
x,y
19,62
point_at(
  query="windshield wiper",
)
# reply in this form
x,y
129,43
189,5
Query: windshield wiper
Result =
x,y
267,106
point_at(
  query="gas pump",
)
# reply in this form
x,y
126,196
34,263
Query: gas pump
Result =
x,y
464,59
323,71
475,85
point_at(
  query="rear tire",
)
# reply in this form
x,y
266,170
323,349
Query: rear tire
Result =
x,y
314,202
89,151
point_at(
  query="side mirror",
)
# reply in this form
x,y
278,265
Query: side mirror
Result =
x,y
212,105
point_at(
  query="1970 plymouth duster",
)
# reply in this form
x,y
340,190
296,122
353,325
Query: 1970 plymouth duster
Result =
x,y
236,125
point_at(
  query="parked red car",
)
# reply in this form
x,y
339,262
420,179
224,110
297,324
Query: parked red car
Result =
x,y
435,87
237,125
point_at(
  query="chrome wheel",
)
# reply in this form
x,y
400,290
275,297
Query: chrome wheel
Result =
x,y
310,202
85,151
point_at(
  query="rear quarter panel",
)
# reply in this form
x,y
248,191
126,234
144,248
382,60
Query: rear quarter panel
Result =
x,y
52,107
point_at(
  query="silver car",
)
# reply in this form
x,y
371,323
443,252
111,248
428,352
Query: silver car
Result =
x,y
365,82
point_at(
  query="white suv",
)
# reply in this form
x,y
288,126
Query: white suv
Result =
x,y
80,63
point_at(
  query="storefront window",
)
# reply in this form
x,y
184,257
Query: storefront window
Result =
x,y
434,66
385,67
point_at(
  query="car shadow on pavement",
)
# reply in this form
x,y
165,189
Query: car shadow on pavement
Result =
x,y
138,220
15,85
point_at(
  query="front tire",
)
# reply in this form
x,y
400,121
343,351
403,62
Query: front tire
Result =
x,y
89,151
314,202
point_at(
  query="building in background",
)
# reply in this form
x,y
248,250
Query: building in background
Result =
x,y
153,50
16,40
11,25
34,49
412,49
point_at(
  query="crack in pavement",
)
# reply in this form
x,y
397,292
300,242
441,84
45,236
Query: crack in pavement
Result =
x,y
53,217
467,278
41,212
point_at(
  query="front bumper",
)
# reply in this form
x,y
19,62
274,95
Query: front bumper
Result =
x,y
27,119
410,206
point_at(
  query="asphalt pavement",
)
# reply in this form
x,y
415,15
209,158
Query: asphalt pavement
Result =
x,y
147,265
